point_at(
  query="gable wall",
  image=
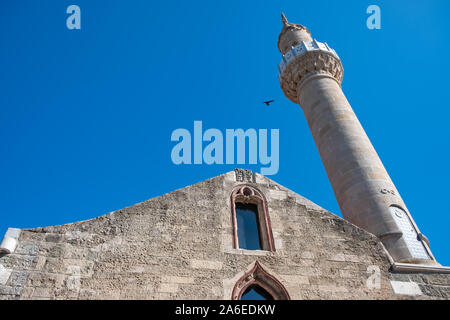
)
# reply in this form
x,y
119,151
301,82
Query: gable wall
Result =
x,y
179,246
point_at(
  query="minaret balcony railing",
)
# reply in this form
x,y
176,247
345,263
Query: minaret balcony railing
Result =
x,y
301,49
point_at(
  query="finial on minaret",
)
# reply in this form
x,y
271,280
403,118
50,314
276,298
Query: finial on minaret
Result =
x,y
283,19
291,35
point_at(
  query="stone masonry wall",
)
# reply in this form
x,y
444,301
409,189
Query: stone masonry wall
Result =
x,y
179,246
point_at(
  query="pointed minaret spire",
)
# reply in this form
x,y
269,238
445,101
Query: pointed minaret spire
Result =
x,y
283,19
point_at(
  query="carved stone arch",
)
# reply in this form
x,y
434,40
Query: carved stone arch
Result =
x,y
246,193
260,277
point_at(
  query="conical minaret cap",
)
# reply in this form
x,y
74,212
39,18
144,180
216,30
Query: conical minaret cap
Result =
x,y
291,35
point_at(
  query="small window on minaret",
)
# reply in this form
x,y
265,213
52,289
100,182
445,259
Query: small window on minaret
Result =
x,y
251,223
247,226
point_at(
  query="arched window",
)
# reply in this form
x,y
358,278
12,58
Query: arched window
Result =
x,y
255,292
247,226
257,284
250,219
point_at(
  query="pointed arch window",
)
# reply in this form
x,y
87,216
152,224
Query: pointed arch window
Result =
x,y
258,284
250,219
255,292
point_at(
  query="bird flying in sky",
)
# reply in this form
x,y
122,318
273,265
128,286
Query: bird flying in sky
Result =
x,y
268,102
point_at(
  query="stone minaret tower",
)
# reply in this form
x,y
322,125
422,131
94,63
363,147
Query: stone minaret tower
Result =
x,y
310,74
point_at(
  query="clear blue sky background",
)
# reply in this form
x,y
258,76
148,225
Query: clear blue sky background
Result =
x,y
86,116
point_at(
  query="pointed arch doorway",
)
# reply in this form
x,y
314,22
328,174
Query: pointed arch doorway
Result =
x,y
258,284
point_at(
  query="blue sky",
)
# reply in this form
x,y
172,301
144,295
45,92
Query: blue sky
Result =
x,y
86,115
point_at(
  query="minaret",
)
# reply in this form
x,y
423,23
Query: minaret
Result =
x,y
310,75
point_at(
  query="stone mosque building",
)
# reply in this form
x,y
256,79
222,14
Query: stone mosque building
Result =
x,y
241,235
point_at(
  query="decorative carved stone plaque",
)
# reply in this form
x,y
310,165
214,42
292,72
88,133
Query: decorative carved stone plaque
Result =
x,y
244,175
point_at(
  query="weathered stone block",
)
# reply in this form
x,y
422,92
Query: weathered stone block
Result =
x,y
18,279
4,274
406,288
206,264
168,287
176,279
